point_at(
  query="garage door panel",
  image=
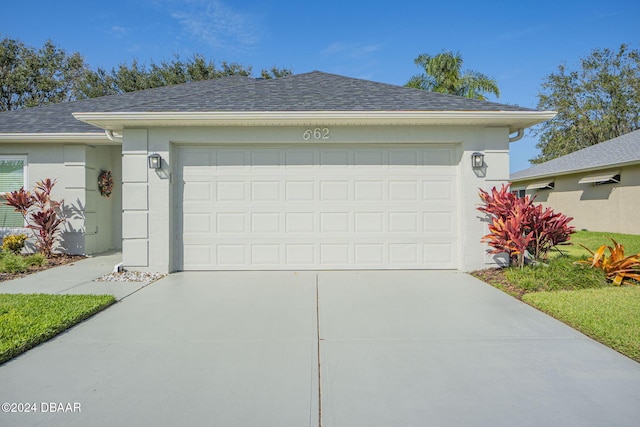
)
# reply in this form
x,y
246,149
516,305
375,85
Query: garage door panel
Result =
x,y
368,190
302,254
437,222
438,254
438,190
265,191
401,190
317,207
266,222
300,191
369,222
335,190
332,159
370,159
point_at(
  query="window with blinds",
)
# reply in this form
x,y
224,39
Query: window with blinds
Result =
x,y
12,177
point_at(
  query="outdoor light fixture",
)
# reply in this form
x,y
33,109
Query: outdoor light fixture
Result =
x,y
477,160
155,161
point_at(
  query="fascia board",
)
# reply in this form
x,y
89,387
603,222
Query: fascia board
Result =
x,y
117,121
81,137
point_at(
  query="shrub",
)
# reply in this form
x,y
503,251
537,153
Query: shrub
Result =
x,y
14,243
521,228
35,259
560,273
618,268
13,263
42,214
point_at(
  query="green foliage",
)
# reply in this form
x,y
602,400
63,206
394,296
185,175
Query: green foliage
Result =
x,y
521,228
14,243
15,263
42,213
443,73
559,273
609,315
594,239
28,320
35,259
30,77
136,76
597,102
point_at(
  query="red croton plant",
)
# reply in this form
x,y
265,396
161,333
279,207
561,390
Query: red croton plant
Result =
x,y
521,228
41,213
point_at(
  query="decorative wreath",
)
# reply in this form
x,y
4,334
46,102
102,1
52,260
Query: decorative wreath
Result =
x,y
105,183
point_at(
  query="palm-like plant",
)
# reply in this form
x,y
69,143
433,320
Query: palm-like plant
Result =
x,y
618,268
443,73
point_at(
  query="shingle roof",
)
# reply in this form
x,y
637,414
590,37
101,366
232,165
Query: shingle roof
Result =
x,y
55,118
624,149
317,91
314,91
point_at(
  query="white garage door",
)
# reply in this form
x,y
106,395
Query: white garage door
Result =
x,y
286,208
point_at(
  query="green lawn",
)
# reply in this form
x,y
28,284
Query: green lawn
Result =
x,y
578,295
593,240
609,315
27,320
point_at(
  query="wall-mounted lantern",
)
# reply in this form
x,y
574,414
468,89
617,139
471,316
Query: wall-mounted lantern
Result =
x,y
477,160
155,161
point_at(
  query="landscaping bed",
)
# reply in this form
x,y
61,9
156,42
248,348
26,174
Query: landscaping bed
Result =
x,y
54,261
577,295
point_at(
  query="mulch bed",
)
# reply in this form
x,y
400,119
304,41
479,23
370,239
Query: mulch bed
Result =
x,y
496,277
54,261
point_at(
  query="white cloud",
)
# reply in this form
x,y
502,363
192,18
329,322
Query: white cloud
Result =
x,y
216,24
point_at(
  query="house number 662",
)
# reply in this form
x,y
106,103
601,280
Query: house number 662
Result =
x,y
317,133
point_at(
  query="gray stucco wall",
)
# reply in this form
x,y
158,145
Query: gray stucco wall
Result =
x,y
93,222
609,207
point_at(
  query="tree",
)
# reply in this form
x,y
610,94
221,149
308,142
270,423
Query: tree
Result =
x,y
129,78
595,103
30,77
443,73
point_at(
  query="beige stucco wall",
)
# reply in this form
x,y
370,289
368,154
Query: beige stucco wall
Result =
x,y
92,225
149,227
610,207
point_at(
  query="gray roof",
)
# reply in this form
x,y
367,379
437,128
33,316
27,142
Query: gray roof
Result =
x,y
618,151
314,91
54,118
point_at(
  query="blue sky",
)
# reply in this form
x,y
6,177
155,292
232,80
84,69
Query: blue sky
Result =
x,y
516,42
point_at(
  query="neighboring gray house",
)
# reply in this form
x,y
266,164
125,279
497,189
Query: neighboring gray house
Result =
x,y
599,186
311,171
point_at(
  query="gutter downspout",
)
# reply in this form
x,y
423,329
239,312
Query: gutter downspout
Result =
x,y
113,136
518,136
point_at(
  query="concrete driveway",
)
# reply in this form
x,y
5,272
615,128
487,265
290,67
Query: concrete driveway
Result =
x,y
389,348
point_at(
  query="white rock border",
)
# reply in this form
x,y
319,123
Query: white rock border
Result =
x,y
130,276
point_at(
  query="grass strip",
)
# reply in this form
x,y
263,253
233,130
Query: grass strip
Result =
x,y
594,239
27,320
608,315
